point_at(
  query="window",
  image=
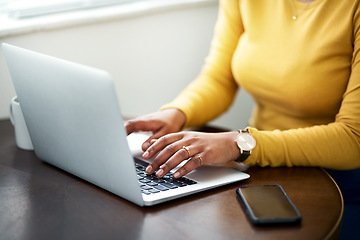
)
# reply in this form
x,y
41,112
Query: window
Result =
x,y
31,8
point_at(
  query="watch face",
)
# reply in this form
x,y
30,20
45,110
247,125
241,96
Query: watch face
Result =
x,y
245,141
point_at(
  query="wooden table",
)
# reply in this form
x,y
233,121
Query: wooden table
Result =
x,y
39,201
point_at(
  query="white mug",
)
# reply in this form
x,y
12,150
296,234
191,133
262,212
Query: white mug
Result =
x,y
22,136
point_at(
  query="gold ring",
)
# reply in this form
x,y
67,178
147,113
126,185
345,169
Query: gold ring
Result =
x,y
187,149
199,157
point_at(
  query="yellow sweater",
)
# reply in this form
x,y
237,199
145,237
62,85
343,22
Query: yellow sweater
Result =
x,y
303,74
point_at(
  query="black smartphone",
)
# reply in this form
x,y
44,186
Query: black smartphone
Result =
x,y
268,204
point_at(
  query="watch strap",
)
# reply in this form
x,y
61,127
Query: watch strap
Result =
x,y
243,156
243,130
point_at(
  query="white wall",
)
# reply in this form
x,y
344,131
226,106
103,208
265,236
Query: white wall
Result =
x,y
151,57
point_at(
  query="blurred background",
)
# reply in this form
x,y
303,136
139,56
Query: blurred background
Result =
x,y
152,48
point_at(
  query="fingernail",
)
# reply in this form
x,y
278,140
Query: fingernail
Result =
x,y
148,169
145,155
160,172
176,175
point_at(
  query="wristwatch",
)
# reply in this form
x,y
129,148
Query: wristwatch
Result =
x,y
246,142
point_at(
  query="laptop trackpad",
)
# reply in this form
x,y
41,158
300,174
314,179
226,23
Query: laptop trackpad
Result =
x,y
211,172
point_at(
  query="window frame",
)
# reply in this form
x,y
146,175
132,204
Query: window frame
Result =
x,y
19,9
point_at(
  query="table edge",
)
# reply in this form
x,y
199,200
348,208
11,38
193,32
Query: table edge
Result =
x,y
335,232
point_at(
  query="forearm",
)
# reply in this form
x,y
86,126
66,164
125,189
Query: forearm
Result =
x,y
331,146
203,101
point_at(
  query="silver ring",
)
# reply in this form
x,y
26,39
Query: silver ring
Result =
x,y
198,156
187,150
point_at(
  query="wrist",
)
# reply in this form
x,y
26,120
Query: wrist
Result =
x,y
177,117
245,143
235,149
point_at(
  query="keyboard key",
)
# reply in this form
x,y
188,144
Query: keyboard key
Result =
x,y
186,181
151,177
146,192
169,185
161,188
144,180
150,183
177,183
153,191
158,180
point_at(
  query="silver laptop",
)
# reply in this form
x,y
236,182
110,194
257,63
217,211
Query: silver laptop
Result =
x,y
75,124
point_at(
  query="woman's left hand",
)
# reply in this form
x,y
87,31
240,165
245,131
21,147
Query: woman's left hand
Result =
x,y
200,148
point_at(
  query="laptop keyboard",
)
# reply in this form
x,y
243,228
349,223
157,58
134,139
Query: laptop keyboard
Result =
x,y
150,183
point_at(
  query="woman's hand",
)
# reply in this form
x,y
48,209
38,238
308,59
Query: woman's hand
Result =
x,y
159,123
199,148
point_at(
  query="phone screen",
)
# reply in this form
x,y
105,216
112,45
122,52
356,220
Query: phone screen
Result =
x,y
268,204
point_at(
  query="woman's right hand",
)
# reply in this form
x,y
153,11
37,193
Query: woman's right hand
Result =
x,y
159,123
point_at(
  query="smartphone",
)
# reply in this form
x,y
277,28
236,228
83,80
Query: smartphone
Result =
x,y
268,204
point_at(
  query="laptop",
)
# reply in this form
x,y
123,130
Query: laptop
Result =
x,y
75,124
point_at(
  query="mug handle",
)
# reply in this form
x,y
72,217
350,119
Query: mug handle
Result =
x,y
11,115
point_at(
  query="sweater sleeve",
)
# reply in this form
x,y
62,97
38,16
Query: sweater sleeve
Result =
x,y
335,145
213,91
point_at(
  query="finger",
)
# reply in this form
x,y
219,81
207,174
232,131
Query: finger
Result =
x,y
128,127
154,137
171,163
132,126
140,125
147,144
161,158
191,165
163,142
